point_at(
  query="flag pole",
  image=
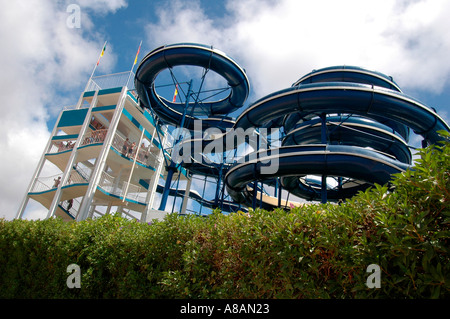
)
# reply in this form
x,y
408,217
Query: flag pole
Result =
x,y
95,67
134,63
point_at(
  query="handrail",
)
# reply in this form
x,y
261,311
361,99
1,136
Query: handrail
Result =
x,y
69,107
91,137
109,81
134,192
94,137
72,206
59,146
42,183
113,186
145,155
107,183
79,175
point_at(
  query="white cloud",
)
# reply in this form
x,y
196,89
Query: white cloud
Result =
x,y
40,57
101,6
182,21
279,41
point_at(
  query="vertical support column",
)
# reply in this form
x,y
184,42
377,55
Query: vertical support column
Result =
x,y
203,195
172,167
91,210
116,181
219,183
101,159
38,170
186,196
154,182
73,157
108,209
279,192
255,193
134,165
255,183
324,141
80,101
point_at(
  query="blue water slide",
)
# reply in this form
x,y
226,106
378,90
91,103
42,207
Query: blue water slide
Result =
x,y
356,131
226,205
169,56
293,120
351,74
363,117
375,139
353,162
343,97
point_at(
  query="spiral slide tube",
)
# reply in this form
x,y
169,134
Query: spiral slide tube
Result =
x,y
343,122
169,56
340,97
308,99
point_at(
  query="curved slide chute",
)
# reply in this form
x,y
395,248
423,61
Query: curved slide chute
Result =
x,y
353,162
351,98
369,101
350,74
343,122
169,56
355,131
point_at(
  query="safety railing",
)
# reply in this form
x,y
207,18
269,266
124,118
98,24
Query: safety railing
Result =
x,y
69,107
43,184
114,186
111,81
134,192
147,155
59,146
72,206
91,137
92,86
94,137
107,183
79,174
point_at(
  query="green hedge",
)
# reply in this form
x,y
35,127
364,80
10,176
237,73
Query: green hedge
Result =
x,y
317,251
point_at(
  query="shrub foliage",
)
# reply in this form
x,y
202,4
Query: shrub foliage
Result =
x,y
316,251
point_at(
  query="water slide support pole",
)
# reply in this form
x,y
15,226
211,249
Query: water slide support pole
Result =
x,y
172,166
324,141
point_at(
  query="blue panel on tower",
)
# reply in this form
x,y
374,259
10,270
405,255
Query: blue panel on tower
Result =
x,y
72,117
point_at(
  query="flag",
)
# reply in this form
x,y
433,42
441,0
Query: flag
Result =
x,y
139,49
101,54
175,94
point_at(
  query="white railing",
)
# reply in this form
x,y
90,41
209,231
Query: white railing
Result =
x,y
92,86
72,206
111,81
107,182
147,155
43,184
93,137
58,146
69,107
79,175
114,186
134,192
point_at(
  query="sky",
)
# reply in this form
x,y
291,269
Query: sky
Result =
x,y
46,59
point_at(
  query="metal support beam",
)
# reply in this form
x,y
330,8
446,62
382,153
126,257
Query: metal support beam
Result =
x,y
186,196
172,168
84,211
323,190
72,159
